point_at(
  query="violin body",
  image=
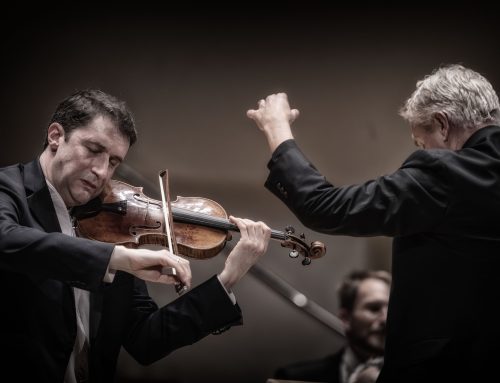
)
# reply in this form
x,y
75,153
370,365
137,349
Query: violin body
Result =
x,y
137,220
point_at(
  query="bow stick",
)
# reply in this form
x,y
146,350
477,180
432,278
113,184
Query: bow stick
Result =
x,y
180,288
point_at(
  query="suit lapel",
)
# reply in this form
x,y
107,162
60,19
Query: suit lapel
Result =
x,y
42,208
96,299
39,199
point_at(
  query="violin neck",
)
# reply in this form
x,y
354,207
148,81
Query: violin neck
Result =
x,y
188,216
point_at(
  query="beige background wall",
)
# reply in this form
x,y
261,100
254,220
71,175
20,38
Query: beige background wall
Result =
x,y
189,76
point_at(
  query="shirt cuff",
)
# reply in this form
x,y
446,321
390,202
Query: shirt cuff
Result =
x,y
230,294
109,275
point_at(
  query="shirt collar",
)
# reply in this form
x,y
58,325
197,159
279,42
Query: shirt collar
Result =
x,y
61,210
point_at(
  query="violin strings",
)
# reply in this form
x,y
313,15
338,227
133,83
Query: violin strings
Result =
x,y
189,216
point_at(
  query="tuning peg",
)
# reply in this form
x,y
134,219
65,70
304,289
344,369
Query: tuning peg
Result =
x,y
318,249
306,261
293,254
289,229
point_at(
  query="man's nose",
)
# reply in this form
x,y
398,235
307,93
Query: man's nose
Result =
x,y
100,168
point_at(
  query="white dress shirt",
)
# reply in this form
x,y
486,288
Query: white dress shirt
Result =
x,y
82,301
348,364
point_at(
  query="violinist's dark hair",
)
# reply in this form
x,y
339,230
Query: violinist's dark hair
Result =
x,y
348,289
83,106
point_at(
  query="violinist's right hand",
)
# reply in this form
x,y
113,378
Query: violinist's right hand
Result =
x,y
148,264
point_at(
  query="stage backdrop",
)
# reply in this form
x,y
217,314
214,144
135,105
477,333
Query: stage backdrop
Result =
x,y
189,75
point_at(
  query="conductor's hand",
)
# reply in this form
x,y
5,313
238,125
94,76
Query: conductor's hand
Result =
x,y
148,265
251,246
274,117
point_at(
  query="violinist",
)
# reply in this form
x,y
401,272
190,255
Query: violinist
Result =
x,y
70,303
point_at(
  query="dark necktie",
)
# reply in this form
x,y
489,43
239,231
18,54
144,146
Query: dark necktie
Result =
x,y
82,364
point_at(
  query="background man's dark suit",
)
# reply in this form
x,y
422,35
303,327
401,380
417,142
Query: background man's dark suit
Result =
x,y
443,209
325,369
37,310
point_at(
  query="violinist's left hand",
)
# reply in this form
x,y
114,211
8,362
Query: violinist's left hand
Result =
x,y
251,246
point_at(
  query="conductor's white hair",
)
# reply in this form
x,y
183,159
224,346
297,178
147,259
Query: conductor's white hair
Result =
x,y
466,97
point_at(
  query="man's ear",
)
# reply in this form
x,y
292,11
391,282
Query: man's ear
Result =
x,y
443,124
345,317
55,133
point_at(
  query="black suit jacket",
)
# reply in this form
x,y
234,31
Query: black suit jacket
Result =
x,y
443,209
38,267
325,369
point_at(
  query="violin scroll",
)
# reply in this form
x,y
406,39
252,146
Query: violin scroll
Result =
x,y
298,246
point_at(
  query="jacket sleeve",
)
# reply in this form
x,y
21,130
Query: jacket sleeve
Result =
x,y
154,333
412,199
26,248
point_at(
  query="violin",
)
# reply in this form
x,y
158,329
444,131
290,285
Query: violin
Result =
x,y
124,215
